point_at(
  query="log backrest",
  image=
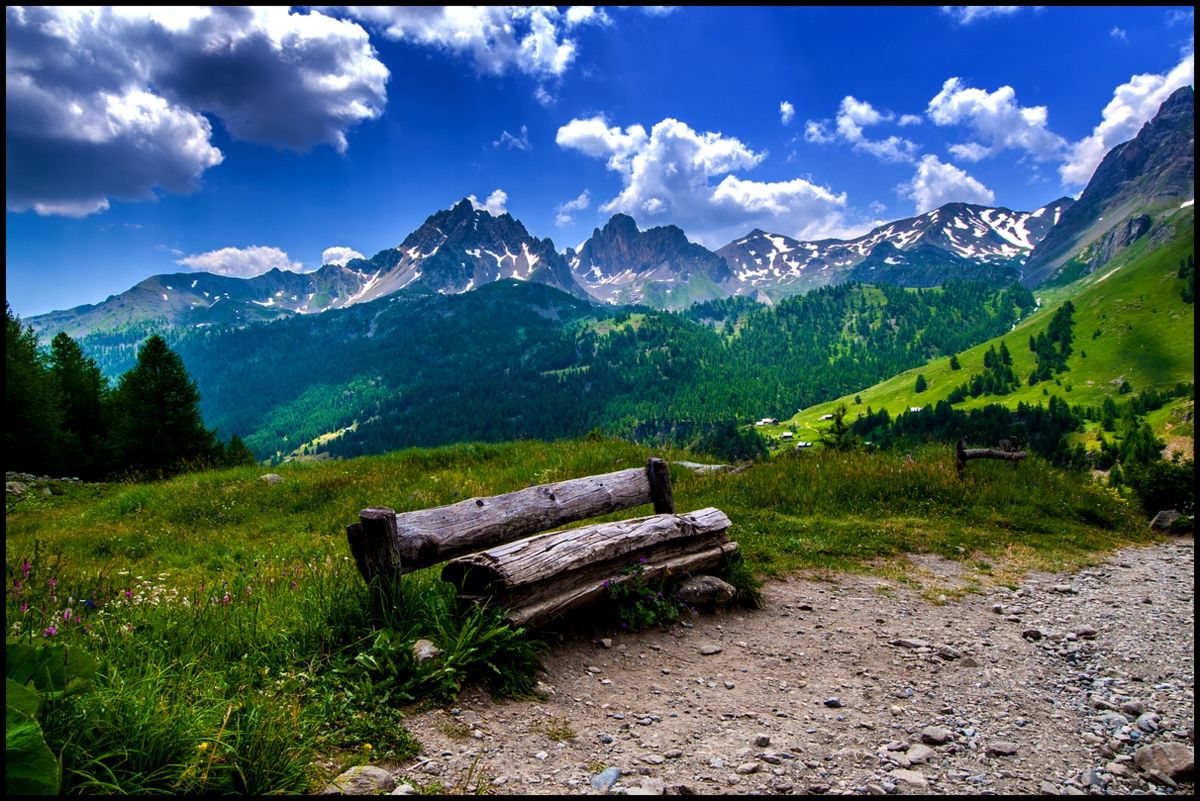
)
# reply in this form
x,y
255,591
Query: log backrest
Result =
x,y
385,543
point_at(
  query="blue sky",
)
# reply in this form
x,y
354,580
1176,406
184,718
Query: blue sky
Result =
x,y
239,139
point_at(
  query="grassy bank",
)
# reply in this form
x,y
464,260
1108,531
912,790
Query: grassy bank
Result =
x,y
238,645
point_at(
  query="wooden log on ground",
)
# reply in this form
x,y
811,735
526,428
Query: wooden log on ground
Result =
x,y
534,609
962,455
373,543
429,536
557,553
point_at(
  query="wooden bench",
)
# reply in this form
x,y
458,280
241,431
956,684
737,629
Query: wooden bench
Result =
x,y
495,549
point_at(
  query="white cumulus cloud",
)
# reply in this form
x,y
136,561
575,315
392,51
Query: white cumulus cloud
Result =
x,y
531,39
853,116
564,211
997,120
1134,103
106,103
677,175
786,112
937,183
496,203
339,255
241,262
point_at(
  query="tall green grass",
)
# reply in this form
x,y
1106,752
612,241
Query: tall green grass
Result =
x,y
239,646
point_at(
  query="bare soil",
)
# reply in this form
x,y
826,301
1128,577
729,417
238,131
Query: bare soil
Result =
x,y
832,688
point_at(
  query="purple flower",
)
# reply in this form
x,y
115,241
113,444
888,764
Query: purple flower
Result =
x,y
49,631
642,560
25,568
606,584
128,594
53,583
67,615
24,607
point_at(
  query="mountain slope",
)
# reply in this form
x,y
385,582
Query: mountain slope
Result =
x,y
463,248
619,264
199,299
1153,171
1130,325
956,241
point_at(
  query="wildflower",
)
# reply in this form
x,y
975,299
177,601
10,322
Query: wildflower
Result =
x,y
291,585
202,747
67,615
24,607
16,587
49,631
25,568
225,600
52,583
128,593
367,747
642,560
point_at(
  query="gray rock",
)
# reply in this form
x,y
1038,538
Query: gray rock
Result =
x,y
949,653
405,789
1001,748
15,487
271,478
919,753
605,779
911,780
1063,589
648,787
747,768
424,650
362,780
762,741
833,702
1163,520
936,735
706,591
910,643
709,650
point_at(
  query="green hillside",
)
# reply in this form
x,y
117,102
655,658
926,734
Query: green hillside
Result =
x,y
1130,324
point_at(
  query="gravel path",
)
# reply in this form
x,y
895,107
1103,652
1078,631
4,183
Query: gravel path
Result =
x,y
1073,684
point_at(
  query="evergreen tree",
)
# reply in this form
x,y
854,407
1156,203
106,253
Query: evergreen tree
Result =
x,y
921,384
32,410
839,437
83,392
954,365
157,429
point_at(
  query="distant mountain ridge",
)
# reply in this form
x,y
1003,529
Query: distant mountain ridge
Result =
x,y
659,266
464,248
957,240
1155,168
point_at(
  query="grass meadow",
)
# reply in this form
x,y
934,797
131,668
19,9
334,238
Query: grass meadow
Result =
x,y
239,650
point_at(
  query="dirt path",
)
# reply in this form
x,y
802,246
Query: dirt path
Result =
x,y
856,685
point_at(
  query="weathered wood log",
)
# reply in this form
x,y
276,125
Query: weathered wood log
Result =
x,y
429,536
557,553
373,543
962,455
540,603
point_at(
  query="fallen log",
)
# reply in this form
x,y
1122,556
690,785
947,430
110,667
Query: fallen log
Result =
x,y
545,602
558,553
388,544
962,455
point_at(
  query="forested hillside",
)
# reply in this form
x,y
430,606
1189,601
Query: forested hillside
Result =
x,y
514,360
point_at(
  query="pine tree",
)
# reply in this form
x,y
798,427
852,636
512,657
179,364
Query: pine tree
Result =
x,y
921,385
157,429
32,411
83,392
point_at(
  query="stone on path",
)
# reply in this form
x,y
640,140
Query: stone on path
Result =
x,y
362,780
